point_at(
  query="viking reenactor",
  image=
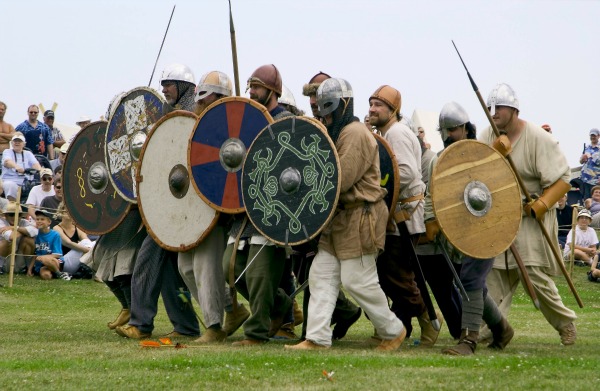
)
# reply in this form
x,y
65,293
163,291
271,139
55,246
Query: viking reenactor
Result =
x,y
396,266
288,102
544,170
201,267
155,271
351,241
346,313
263,262
477,305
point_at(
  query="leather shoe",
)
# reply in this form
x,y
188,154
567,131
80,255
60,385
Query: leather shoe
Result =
x,y
342,326
392,344
235,319
306,345
122,319
212,336
132,332
177,334
248,342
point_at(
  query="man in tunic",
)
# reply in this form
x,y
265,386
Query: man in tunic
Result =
x,y
544,170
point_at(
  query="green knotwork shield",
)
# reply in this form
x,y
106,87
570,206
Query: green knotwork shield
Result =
x,y
290,181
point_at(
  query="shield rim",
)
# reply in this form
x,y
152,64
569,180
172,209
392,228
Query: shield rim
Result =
x,y
224,100
517,221
396,195
322,128
106,159
127,209
139,178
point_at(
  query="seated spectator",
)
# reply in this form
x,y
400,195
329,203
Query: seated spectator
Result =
x,y
60,159
15,161
586,240
48,261
74,241
564,216
39,192
594,273
593,205
25,236
590,160
52,202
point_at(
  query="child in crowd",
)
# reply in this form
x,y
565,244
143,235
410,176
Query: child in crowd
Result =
x,y
586,240
48,250
594,273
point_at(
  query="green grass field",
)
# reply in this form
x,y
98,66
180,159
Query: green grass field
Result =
x,y
53,336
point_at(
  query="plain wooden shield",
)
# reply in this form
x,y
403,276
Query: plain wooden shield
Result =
x,y
217,148
390,173
174,214
291,180
135,114
88,194
476,199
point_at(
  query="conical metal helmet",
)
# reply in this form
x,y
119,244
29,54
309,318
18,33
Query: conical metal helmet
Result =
x,y
502,95
178,72
287,98
451,116
329,94
213,82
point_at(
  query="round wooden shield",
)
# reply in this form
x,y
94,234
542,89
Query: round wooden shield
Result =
x,y
217,148
174,215
390,173
476,199
291,180
88,193
135,114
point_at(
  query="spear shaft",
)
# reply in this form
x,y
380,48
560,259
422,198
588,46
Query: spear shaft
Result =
x,y
161,46
528,198
236,75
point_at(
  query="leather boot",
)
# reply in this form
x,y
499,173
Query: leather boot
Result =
x,y
466,345
429,334
235,318
502,334
121,320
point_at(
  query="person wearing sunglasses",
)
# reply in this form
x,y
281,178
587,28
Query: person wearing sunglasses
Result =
x,y
37,134
39,192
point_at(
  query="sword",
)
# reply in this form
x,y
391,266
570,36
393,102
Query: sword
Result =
x,y
456,277
250,263
420,278
528,198
300,289
161,46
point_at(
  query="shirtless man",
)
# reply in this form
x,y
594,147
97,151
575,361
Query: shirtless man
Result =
x,y
6,129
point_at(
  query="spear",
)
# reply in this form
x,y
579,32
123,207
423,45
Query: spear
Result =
x,y
528,198
161,46
236,75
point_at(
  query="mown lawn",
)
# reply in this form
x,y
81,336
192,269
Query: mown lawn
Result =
x,y
53,336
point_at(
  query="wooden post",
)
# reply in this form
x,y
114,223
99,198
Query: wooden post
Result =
x,y
13,244
573,231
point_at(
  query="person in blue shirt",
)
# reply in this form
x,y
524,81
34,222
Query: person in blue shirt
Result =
x,y
38,135
48,250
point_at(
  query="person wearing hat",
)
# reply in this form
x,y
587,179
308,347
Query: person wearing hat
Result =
x,y
57,135
83,121
60,159
37,134
25,235
14,163
586,240
590,171
39,192
48,262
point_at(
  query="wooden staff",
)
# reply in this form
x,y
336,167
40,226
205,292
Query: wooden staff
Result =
x,y
524,190
573,231
13,244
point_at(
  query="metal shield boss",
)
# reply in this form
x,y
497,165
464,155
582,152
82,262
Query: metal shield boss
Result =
x,y
135,114
476,199
291,180
174,215
88,194
390,173
217,148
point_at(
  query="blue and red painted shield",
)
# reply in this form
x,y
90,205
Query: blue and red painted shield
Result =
x,y
217,149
